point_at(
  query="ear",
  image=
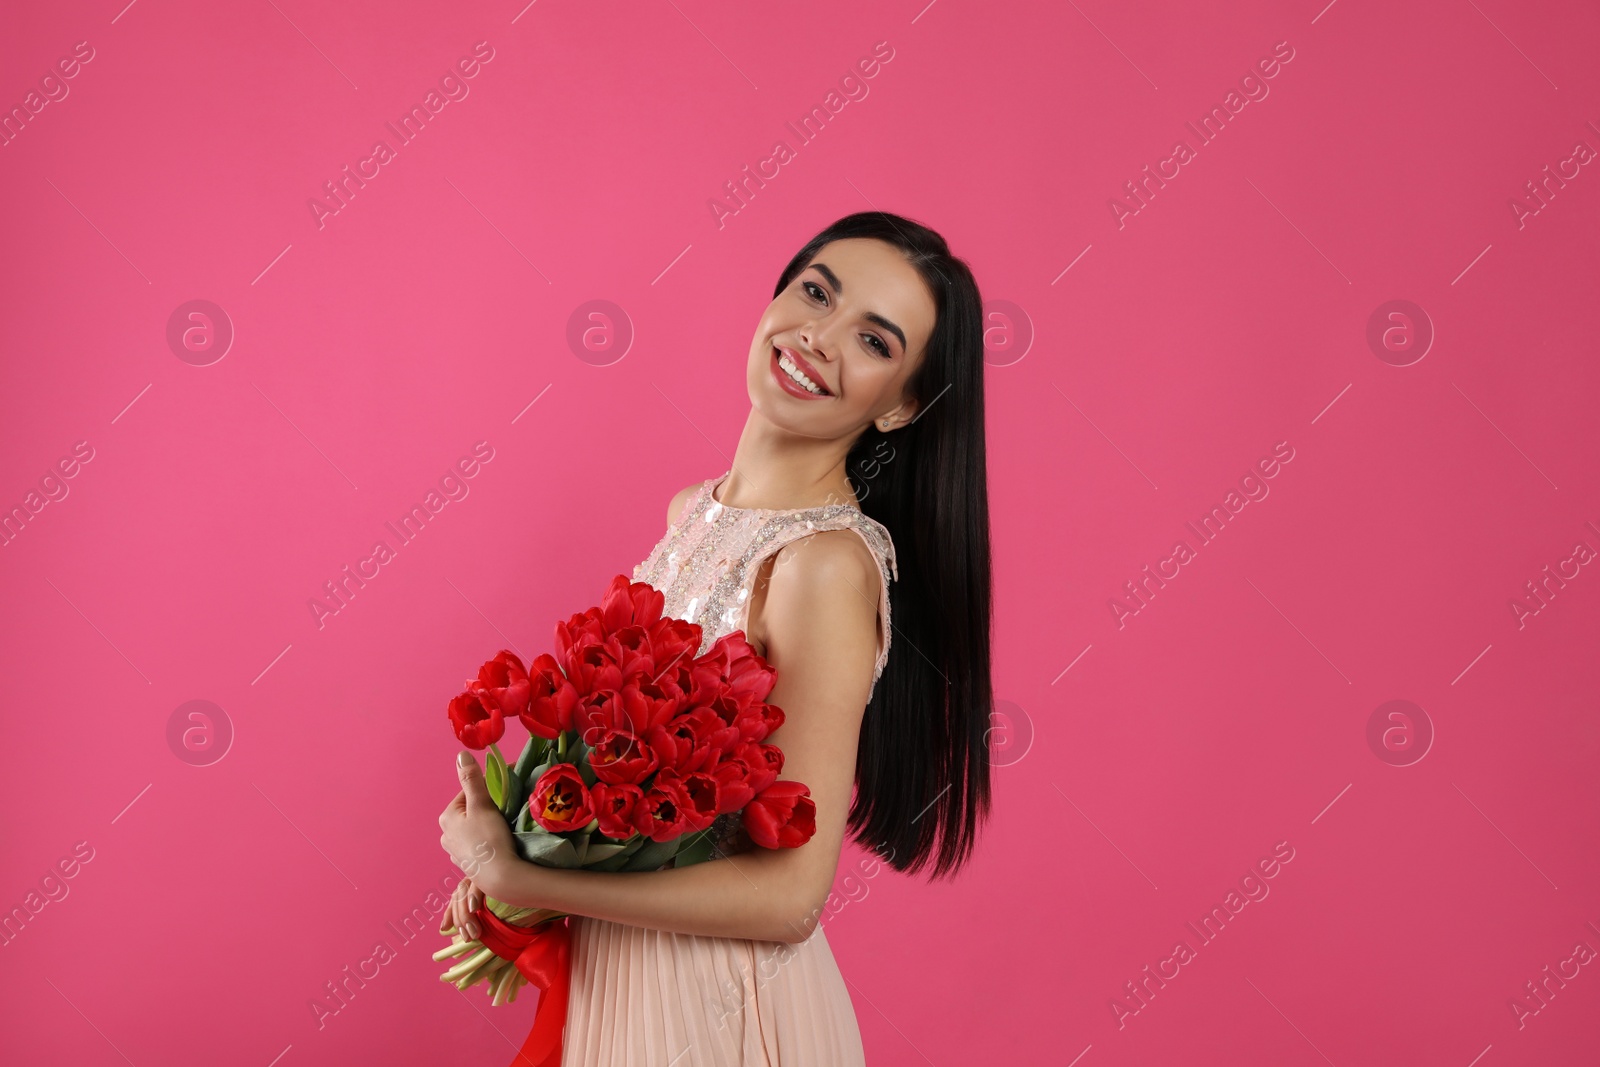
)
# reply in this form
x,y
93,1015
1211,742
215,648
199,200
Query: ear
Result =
x,y
897,416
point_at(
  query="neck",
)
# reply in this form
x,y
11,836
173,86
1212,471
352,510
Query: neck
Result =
x,y
773,468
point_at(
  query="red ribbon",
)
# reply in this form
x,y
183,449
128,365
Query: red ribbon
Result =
x,y
540,952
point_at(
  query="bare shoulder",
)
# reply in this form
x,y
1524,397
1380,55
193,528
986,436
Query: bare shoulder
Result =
x,y
675,508
819,611
828,578
824,562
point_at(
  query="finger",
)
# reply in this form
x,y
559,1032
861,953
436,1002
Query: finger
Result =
x,y
473,787
449,921
453,810
471,901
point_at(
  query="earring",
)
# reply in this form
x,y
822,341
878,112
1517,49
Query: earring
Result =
x,y
883,424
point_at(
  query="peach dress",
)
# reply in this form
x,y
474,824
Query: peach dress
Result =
x,y
642,997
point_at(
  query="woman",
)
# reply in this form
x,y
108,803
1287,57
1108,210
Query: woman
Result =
x,y
861,462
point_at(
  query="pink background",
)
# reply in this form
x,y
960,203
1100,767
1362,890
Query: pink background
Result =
x,y
1160,360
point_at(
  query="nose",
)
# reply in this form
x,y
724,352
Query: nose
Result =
x,y
811,337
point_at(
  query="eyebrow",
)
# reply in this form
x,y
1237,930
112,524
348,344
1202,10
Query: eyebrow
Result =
x,y
872,316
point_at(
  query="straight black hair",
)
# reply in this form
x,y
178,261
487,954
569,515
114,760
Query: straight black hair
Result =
x,y
922,767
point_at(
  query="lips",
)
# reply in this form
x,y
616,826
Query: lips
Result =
x,y
805,368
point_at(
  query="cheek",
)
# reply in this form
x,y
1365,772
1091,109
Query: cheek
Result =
x,y
755,367
867,384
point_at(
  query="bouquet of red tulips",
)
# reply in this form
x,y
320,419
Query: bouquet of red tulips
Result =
x,y
637,744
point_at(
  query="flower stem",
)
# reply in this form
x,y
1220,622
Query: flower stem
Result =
x,y
464,968
460,947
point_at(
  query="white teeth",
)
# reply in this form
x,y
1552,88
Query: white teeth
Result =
x,y
797,374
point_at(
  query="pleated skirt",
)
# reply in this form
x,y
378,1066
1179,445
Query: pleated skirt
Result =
x,y
653,998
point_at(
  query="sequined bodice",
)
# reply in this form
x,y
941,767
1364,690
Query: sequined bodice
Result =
x,y
707,563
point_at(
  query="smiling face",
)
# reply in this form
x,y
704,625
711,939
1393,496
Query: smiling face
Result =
x,y
855,323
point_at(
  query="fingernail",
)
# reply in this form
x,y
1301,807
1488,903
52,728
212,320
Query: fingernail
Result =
x,y
462,759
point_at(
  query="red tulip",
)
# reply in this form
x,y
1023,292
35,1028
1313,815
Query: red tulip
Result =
x,y
505,678
781,816
591,667
560,800
765,763
477,719
581,631
699,797
630,604
733,785
673,645
754,721
618,757
693,741
663,813
732,664
552,700
615,805
630,708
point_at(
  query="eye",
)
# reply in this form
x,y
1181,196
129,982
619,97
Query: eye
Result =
x,y
872,339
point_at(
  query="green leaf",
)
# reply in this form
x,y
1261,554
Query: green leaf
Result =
x,y
516,794
697,849
615,861
532,753
494,775
602,850
578,754
652,855
537,773
546,849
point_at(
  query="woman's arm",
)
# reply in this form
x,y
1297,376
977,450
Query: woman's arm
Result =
x,y
819,621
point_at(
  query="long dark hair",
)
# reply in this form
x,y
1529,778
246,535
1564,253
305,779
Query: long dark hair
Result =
x,y
922,768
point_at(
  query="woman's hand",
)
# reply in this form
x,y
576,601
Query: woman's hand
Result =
x,y
466,899
475,834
